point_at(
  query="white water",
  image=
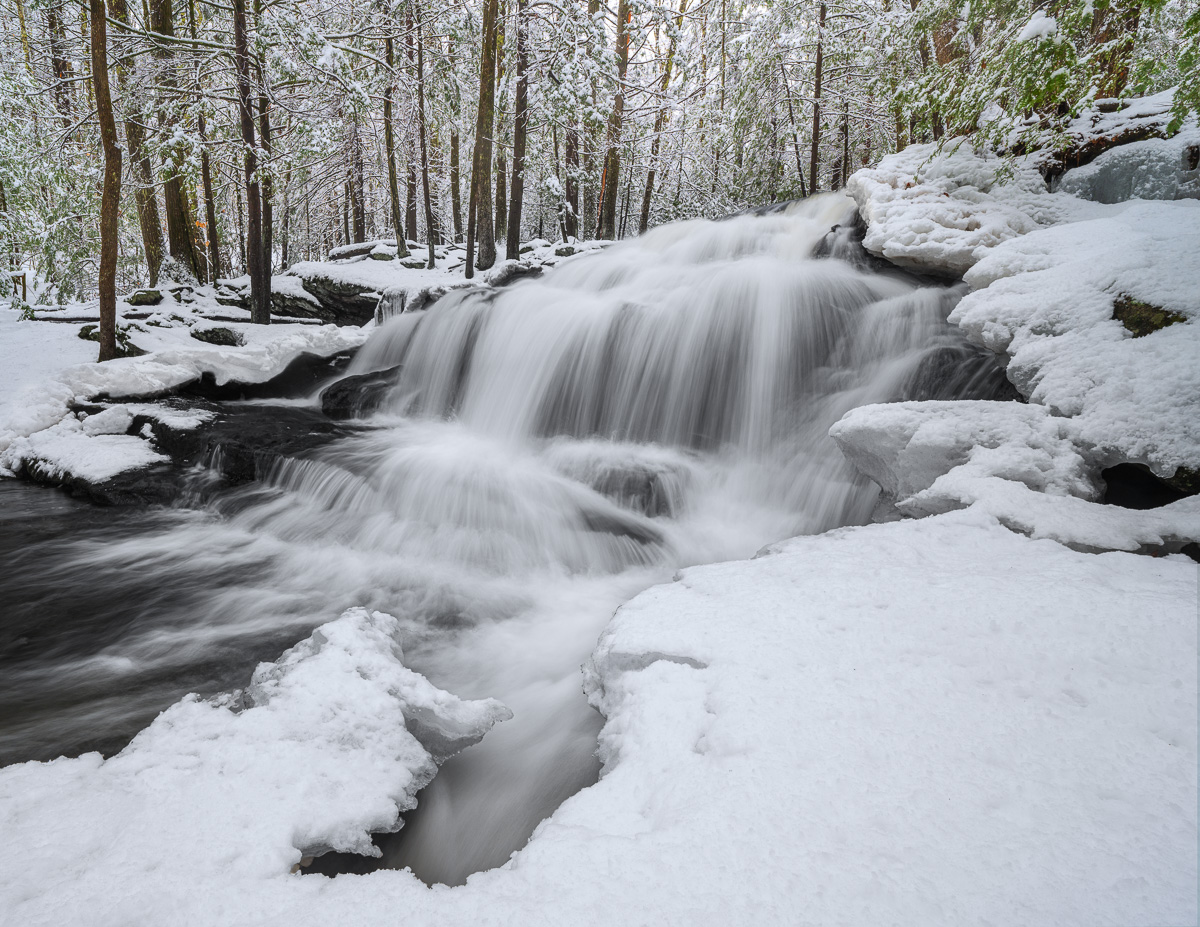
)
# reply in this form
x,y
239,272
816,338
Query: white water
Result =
x,y
547,452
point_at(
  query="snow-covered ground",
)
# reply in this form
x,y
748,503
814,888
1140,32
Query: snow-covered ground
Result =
x,y
926,722
934,720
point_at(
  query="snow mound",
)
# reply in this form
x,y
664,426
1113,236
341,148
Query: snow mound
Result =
x,y
1047,300
941,212
1154,169
906,446
318,755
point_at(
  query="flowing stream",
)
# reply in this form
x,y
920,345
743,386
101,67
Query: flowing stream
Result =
x,y
547,451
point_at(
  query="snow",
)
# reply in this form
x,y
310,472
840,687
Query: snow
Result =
x,y
1039,28
941,212
317,756
856,744
1046,300
1154,169
1018,463
906,446
36,426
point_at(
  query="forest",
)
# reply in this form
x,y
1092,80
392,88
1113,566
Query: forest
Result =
x,y
217,140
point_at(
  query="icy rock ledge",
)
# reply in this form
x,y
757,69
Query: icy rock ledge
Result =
x,y
326,745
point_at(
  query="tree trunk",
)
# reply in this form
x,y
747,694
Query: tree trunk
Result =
x,y
358,206
501,211
267,264
787,89
609,188
254,233
512,245
140,168
389,147
571,159
59,63
180,224
110,201
430,225
482,166
210,209
814,158
455,196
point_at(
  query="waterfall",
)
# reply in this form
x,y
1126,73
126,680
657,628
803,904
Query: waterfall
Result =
x,y
544,452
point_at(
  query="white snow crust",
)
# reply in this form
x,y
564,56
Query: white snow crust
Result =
x,y
1046,300
920,723
1154,169
317,756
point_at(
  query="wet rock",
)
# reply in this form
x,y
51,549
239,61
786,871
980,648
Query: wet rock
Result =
x,y
359,395
511,271
301,377
341,302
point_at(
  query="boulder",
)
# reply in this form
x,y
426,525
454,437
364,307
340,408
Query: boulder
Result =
x,y
358,395
145,297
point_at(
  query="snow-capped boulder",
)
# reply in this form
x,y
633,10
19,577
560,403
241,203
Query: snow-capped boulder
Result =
x,y
1047,300
906,446
1155,169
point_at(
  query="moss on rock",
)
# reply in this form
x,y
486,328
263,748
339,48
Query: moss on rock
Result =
x,y
224,337
1143,318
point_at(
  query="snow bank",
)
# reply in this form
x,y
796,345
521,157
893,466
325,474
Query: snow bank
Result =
x,y
906,446
940,213
1047,301
925,722
320,752
30,429
1017,463
1154,169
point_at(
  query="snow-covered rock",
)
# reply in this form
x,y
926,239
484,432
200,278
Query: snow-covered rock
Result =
x,y
327,745
939,213
1047,300
906,446
1154,169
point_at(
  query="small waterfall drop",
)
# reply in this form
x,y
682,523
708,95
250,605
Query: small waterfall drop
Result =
x,y
546,451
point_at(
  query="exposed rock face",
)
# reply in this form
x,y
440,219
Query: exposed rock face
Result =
x,y
359,395
341,302
145,297
225,337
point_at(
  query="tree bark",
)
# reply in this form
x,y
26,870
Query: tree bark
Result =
x,y
110,201
430,225
140,167
571,165
254,234
512,245
609,188
267,186
180,224
660,120
814,158
389,147
455,196
482,167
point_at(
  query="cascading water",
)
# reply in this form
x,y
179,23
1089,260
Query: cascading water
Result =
x,y
547,451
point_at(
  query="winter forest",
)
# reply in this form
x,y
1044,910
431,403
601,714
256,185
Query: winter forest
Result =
x,y
285,129
682,463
